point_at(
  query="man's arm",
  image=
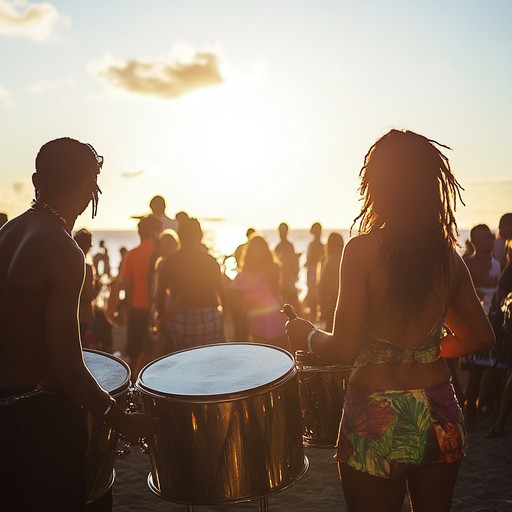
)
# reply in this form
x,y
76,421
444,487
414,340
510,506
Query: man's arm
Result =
x,y
66,276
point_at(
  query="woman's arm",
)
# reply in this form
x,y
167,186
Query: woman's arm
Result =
x,y
343,345
466,318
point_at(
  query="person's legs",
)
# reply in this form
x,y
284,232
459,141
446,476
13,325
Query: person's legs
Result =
x,y
431,486
367,493
505,407
472,391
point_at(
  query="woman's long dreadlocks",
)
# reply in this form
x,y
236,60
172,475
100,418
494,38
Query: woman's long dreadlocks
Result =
x,y
408,189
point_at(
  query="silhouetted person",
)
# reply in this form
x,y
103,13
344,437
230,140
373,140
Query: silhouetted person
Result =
x,y
505,284
329,284
135,280
44,382
90,290
401,281
196,292
502,245
289,263
258,296
101,260
240,250
314,262
485,272
157,206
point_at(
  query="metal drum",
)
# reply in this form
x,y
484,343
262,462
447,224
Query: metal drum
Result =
x,y
230,427
113,375
322,392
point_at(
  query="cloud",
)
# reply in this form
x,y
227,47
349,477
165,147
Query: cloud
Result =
x,y
132,174
166,78
42,86
15,197
32,21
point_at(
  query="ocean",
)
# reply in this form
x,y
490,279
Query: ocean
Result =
x,y
222,240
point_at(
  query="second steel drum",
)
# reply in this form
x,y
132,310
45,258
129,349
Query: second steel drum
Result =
x,y
113,375
230,425
322,392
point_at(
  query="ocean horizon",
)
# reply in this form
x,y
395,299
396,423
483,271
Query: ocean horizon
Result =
x,y
222,240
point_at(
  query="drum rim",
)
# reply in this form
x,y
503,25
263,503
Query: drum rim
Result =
x,y
126,383
220,397
243,499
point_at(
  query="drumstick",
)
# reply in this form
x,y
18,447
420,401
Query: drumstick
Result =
x,y
289,311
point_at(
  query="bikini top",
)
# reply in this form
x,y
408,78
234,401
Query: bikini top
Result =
x,y
379,351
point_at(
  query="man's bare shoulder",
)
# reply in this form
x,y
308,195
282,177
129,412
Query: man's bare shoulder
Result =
x,y
37,237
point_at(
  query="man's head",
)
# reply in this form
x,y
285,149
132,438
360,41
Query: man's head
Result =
x,y
316,229
482,239
66,165
190,232
157,205
283,230
149,228
505,226
83,238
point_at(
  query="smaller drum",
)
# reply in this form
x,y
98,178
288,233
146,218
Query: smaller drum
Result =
x,y
113,375
322,392
230,427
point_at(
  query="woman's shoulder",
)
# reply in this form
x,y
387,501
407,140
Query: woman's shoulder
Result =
x,y
363,244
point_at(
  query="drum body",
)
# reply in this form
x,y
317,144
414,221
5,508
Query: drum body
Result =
x,y
113,375
322,392
229,425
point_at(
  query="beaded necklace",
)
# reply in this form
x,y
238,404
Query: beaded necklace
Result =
x,y
36,203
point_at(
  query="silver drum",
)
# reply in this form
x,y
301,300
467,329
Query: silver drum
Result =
x,y
322,392
113,375
230,425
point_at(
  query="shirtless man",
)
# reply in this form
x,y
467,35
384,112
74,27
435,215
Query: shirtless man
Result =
x,y
43,379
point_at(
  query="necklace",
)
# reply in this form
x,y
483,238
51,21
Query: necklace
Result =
x,y
36,203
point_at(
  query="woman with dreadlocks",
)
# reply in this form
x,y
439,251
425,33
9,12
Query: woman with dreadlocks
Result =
x,y
401,283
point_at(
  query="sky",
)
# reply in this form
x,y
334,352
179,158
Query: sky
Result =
x,y
255,112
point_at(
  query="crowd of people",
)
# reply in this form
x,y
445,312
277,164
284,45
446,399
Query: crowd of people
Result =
x,y
395,303
170,293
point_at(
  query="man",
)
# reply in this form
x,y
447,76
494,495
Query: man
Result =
x,y
157,206
485,273
43,378
135,280
197,292
502,244
314,262
289,262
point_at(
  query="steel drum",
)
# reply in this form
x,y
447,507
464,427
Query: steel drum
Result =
x,y
322,392
230,426
113,375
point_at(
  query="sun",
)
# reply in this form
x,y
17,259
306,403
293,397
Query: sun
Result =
x,y
234,142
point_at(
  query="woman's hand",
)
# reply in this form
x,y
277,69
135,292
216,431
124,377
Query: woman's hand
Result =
x,y
297,331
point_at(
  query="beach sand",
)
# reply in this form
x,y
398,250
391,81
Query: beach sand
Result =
x,y
484,483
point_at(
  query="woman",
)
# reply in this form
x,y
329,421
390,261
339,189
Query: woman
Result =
x,y
401,278
256,294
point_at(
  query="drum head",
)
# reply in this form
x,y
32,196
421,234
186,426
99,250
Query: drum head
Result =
x,y
112,374
212,370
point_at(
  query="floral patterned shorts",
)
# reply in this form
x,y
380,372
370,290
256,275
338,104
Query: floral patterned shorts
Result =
x,y
387,433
